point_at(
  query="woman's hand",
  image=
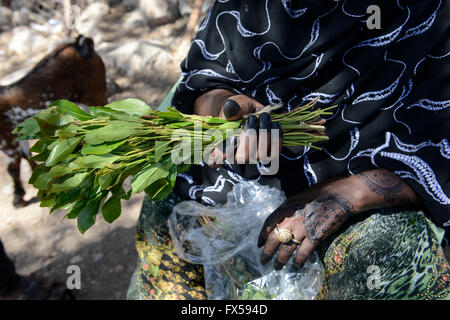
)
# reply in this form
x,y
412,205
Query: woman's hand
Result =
x,y
314,215
255,141
225,104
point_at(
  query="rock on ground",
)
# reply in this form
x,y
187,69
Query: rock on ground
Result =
x,y
154,9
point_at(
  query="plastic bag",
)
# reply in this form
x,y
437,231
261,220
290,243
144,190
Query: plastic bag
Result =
x,y
223,239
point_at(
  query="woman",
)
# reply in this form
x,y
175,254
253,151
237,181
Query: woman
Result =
x,y
377,196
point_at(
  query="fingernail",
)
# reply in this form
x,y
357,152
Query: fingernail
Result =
x,y
230,108
276,126
251,123
297,266
265,258
278,265
264,121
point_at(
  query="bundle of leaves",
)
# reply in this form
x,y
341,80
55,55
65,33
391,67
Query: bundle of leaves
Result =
x,y
86,157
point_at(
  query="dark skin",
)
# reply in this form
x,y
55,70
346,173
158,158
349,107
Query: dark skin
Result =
x,y
315,214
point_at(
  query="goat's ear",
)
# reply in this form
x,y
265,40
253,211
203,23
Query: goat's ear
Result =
x,y
84,46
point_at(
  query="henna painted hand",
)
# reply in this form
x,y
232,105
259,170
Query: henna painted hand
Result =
x,y
314,215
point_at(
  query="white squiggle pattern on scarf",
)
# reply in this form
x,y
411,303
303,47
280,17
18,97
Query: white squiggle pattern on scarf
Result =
x,y
209,201
310,175
432,57
444,146
346,120
431,105
305,151
376,42
360,154
354,141
314,36
271,97
421,28
394,114
240,27
291,12
349,14
206,54
205,21
424,174
321,97
186,177
384,93
316,65
349,92
405,93
193,190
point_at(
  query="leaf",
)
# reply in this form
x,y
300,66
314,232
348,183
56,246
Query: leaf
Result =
x,y
46,129
100,111
215,120
111,209
41,145
160,148
37,171
172,177
68,107
180,124
131,106
70,183
119,115
67,131
41,156
86,218
170,115
74,209
42,181
119,192
47,203
59,171
159,190
146,177
103,148
183,167
94,161
106,180
114,131
62,150
50,115
69,196
229,125
28,130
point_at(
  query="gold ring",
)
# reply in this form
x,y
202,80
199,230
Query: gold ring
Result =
x,y
285,235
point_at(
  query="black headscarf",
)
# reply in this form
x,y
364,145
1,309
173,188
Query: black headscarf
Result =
x,y
391,86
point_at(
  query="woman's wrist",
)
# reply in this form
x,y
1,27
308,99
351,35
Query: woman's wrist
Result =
x,y
381,188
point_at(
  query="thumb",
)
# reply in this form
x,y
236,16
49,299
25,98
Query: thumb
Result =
x,y
237,106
